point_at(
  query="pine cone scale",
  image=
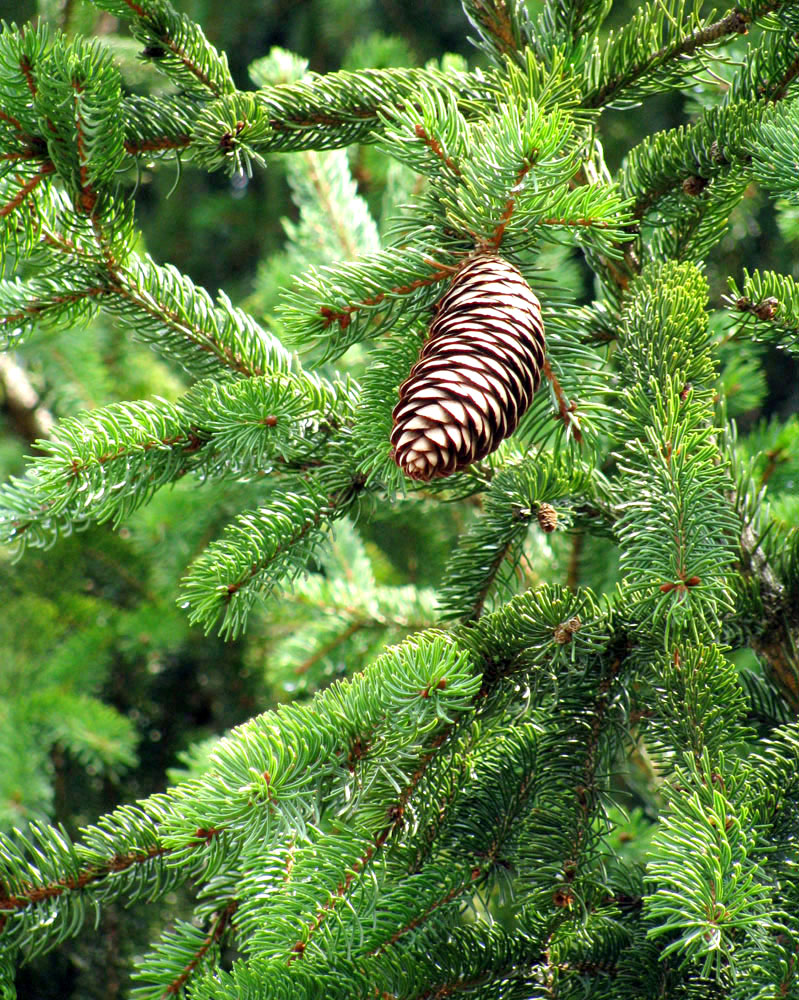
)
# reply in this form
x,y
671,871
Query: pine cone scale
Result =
x,y
476,374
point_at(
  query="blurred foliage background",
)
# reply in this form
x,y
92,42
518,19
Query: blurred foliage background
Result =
x,y
93,624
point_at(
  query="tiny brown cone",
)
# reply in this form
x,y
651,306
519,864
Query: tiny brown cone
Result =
x,y
476,375
547,517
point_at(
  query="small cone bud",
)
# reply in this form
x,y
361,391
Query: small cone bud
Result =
x,y
476,374
563,633
547,517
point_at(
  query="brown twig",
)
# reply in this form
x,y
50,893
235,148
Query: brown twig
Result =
x,y
435,146
510,207
38,306
31,894
344,316
329,646
395,822
27,188
156,144
176,50
494,17
566,410
217,929
496,563
734,23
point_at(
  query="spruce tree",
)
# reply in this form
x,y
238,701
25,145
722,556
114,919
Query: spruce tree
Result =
x,y
569,768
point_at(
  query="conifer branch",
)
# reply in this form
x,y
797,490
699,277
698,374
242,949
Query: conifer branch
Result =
x,y
338,307
435,147
330,207
40,305
344,317
27,72
778,90
341,108
396,819
284,546
216,932
348,832
566,408
770,302
477,872
30,895
338,640
175,44
156,144
587,792
510,206
493,17
493,569
27,187
129,291
733,23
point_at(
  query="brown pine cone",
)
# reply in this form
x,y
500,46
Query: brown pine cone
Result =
x,y
476,374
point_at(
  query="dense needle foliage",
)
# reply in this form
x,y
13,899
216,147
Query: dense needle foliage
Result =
x,y
537,733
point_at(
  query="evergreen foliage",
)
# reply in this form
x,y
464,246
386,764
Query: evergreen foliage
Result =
x,y
541,763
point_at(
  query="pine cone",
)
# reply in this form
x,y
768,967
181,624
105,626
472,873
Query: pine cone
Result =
x,y
547,517
476,374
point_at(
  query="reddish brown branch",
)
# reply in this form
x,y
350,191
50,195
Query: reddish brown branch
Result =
x,y
27,188
396,818
448,897
478,871
159,311
493,569
233,588
198,336
115,864
435,146
193,443
10,157
298,949
27,72
288,124
329,646
6,117
218,928
192,67
510,207
783,83
566,410
682,586
36,308
344,316
734,23
597,223
88,196
174,48
586,792
137,9
493,16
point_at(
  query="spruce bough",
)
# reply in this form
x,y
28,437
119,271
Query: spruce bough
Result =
x,y
455,818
